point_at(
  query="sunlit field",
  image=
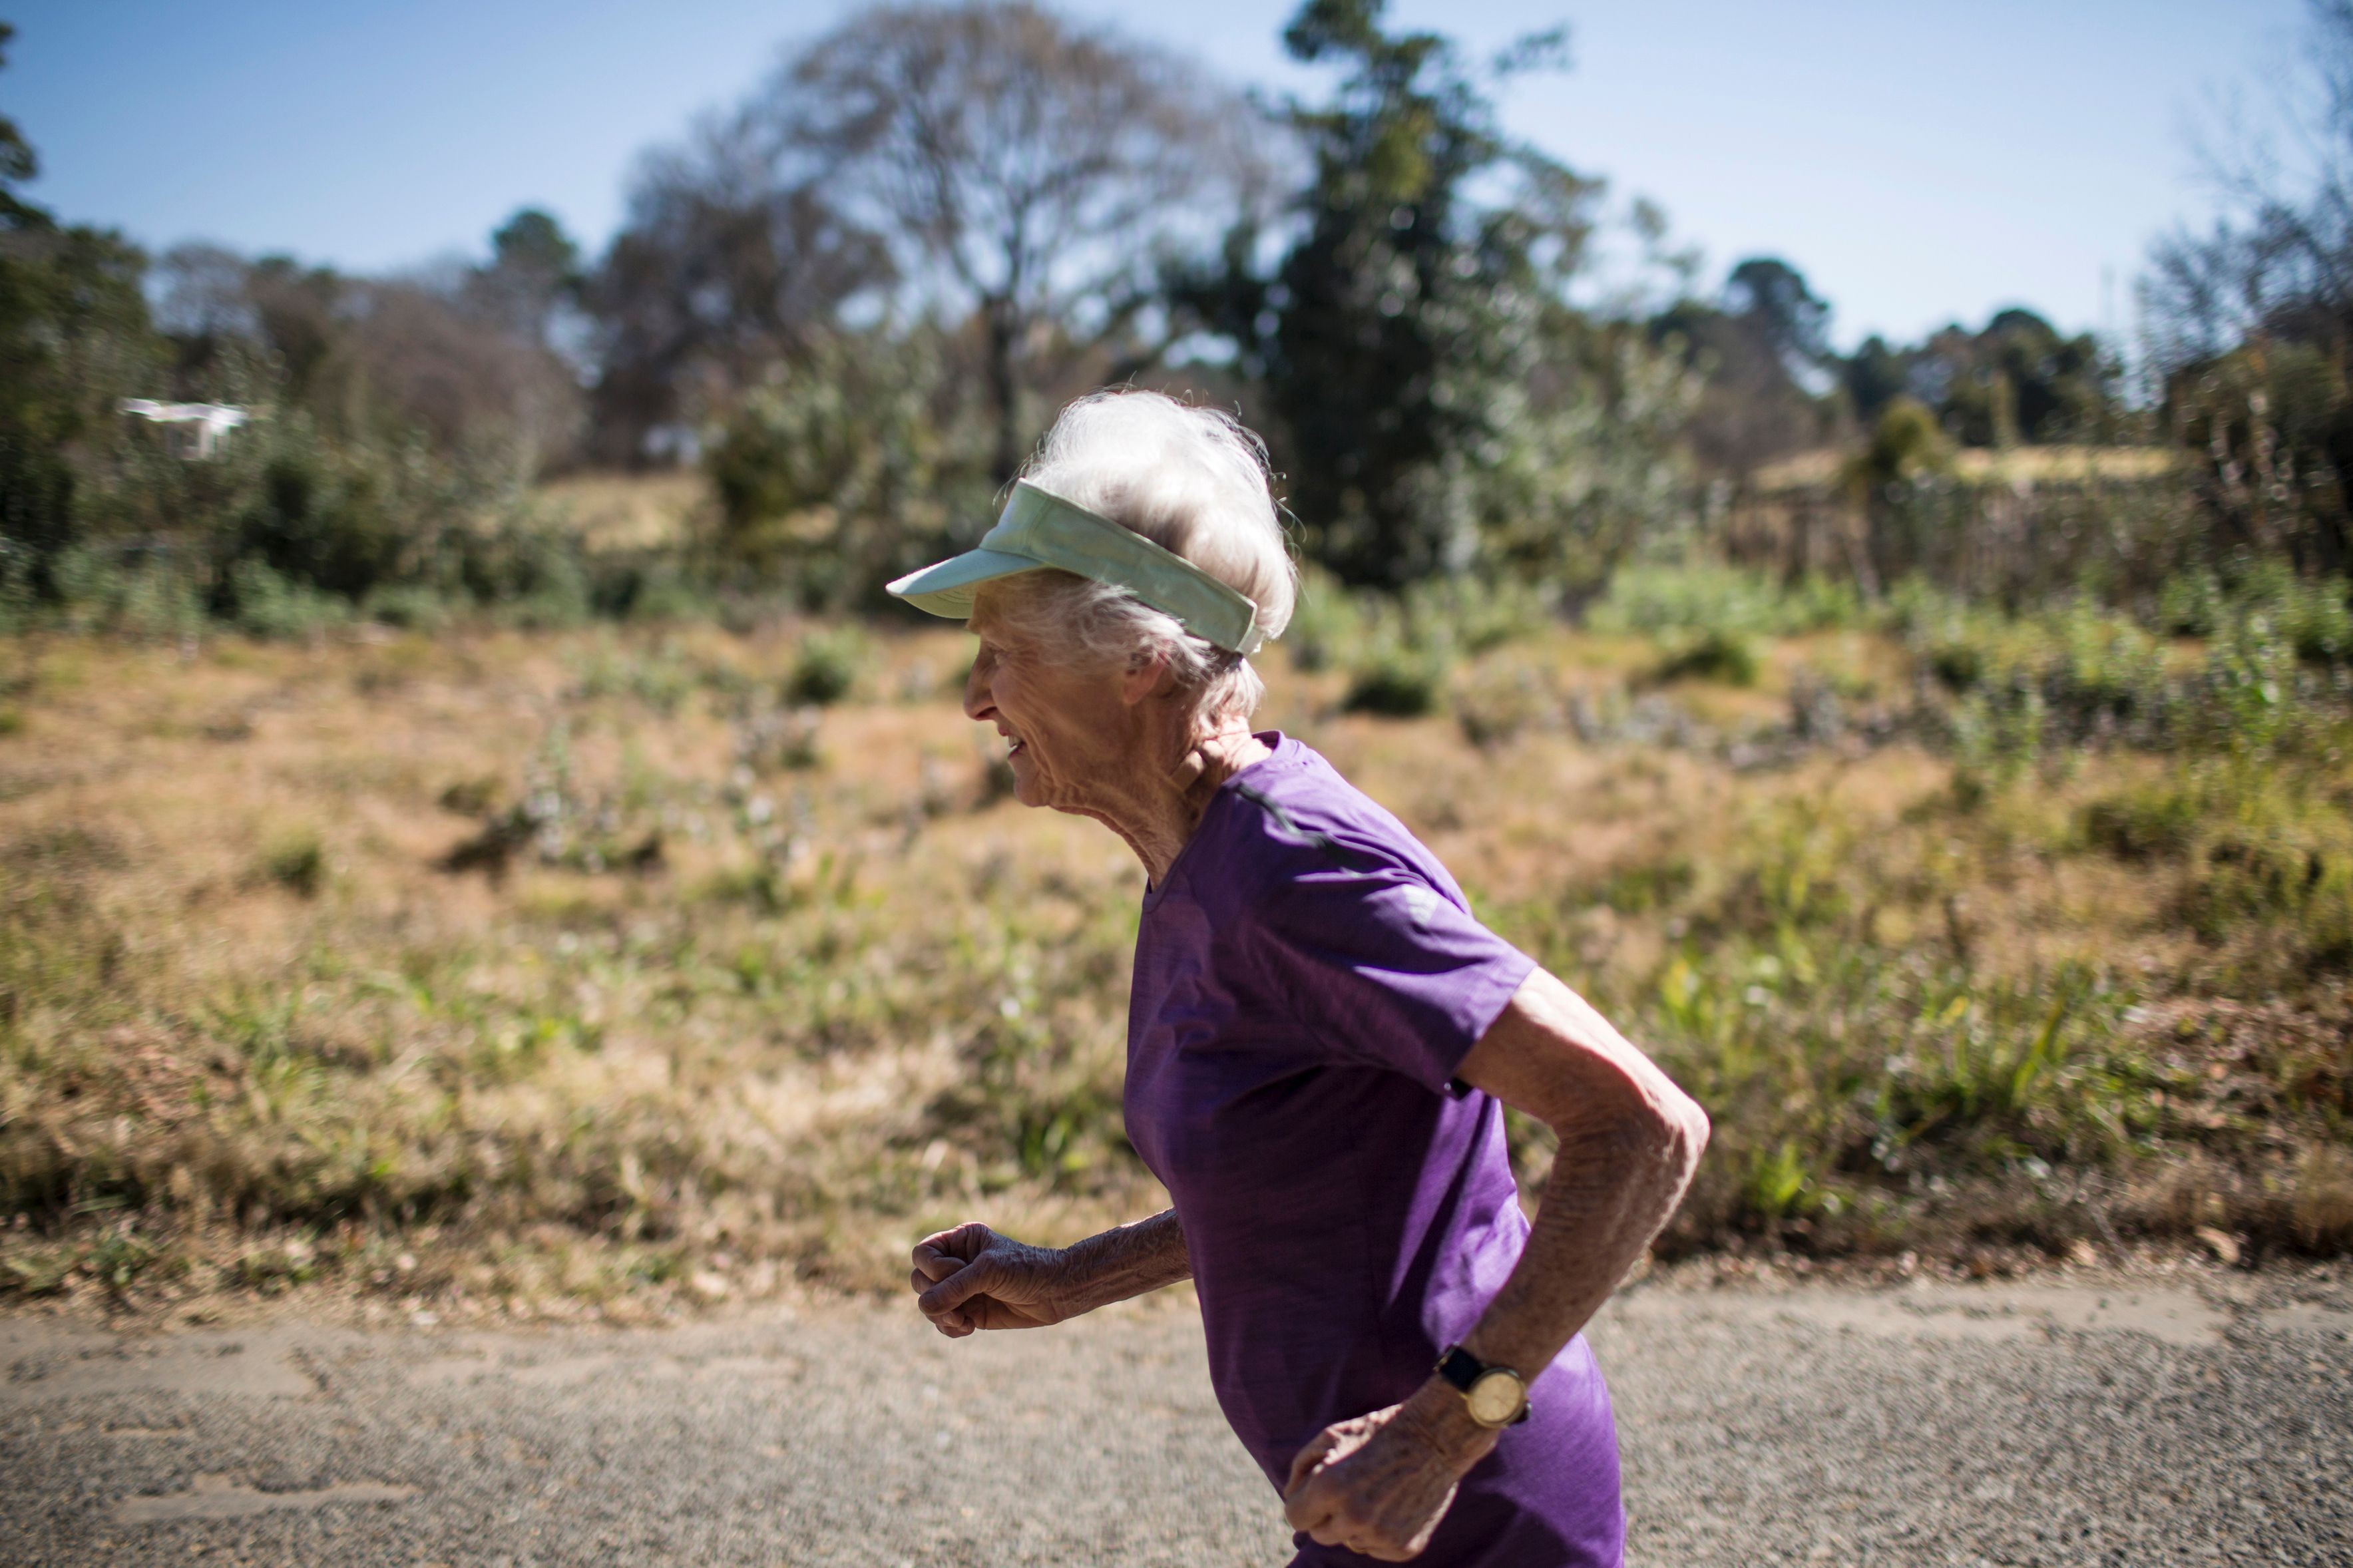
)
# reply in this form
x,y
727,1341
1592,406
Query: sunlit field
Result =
x,y
625,968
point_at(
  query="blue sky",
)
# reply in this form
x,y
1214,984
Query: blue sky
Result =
x,y
1919,162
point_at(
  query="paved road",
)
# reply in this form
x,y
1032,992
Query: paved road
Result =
x,y
2137,1425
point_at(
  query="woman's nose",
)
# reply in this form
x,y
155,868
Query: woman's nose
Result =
x,y
976,687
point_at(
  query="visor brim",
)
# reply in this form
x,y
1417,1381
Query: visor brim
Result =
x,y
945,587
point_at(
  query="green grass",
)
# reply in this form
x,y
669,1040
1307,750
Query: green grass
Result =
x,y
1717,655
577,966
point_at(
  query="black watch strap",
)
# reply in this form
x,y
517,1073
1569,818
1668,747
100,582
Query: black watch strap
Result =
x,y
1462,1370
1459,1367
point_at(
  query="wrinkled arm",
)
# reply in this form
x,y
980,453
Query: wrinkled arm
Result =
x,y
1629,1141
971,1278
1129,1260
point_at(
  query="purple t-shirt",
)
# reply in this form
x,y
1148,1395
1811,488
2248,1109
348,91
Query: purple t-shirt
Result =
x,y
1307,979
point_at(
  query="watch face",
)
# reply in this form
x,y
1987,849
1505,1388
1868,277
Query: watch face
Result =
x,y
1495,1398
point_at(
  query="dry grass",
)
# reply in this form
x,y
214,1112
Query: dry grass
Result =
x,y
628,511
705,1008
585,968
2015,465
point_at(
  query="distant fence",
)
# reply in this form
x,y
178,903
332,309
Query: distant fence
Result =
x,y
2017,528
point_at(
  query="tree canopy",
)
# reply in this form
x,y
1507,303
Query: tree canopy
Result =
x,y
1033,167
1394,335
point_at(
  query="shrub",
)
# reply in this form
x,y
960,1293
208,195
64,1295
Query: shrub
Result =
x,y
410,605
297,863
1699,597
294,528
2190,605
1906,445
524,565
2141,824
260,601
1397,683
1332,625
1475,613
328,519
1957,665
1498,703
837,477
2309,615
647,588
828,668
147,594
779,740
1712,655
2296,892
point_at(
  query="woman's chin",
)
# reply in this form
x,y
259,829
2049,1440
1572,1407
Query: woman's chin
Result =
x,y
1028,787
1032,787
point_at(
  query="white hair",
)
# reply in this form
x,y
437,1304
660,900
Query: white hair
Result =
x,y
1195,482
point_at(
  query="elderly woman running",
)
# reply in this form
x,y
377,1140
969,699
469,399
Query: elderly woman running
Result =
x,y
1321,1040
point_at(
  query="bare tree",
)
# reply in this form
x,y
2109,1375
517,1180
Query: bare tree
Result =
x,y
2249,322
426,353
1032,169
421,351
732,258
203,292
2278,258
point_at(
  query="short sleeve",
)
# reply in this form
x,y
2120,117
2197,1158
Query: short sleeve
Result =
x,y
1382,968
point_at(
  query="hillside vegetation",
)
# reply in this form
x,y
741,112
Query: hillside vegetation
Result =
x,y
612,967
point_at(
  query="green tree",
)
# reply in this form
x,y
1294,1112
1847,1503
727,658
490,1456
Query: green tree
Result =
x,y
1875,376
2020,379
1776,303
74,337
1396,339
1762,348
18,163
533,275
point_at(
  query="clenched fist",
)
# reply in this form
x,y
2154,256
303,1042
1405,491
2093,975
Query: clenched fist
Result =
x,y
1381,1484
971,1278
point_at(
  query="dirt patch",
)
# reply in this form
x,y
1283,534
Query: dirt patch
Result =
x,y
47,1363
218,1496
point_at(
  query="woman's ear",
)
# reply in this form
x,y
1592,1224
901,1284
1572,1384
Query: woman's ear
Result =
x,y
1148,675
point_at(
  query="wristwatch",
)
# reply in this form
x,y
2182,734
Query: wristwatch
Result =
x,y
1497,1396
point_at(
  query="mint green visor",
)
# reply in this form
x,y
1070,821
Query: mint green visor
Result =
x,y
1038,529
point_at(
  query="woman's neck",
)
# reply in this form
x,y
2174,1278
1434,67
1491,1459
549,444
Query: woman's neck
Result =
x,y
1156,807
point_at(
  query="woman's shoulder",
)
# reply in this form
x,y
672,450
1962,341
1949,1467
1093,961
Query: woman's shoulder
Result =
x,y
1295,816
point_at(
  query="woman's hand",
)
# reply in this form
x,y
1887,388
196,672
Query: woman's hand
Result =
x,y
971,1278
1380,1484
